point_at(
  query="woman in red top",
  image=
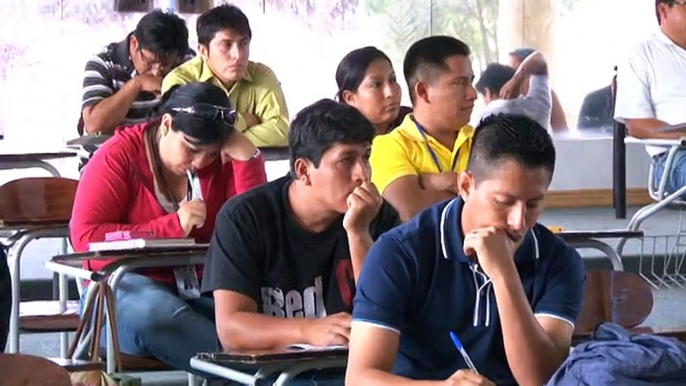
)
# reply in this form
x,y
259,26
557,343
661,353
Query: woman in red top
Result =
x,y
137,181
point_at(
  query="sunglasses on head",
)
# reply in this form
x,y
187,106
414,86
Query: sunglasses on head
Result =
x,y
210,112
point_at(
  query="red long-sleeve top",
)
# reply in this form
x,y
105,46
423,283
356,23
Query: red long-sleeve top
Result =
x,y
117,193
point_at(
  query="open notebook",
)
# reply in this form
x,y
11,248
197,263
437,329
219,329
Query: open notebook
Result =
x,y
131,244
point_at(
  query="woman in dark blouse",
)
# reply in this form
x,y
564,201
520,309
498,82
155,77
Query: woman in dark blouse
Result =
x,y
366,80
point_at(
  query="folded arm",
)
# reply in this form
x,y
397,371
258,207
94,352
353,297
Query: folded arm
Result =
x,y
271,110
408,197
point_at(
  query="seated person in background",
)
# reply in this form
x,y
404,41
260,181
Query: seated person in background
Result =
x,y
366,80
121,85
499,84
558,121
137,182
478,266
284,258
651,89
596,111
224,44
415,165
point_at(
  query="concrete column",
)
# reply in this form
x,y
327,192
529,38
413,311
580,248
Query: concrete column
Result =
x,y
527,23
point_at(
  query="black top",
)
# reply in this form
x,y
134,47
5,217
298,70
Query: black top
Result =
x,y
259,250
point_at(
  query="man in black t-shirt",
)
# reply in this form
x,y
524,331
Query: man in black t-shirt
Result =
x,y
285,257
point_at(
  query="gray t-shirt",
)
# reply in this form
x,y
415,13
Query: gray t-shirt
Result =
x,y
537,104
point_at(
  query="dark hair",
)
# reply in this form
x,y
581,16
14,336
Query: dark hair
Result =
x,y
428,55
322,124
657,8
506,136
162,33
203,131
494,78
219,18
351,70
522,52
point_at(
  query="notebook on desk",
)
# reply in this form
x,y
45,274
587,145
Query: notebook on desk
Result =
x,y
133,244
294,352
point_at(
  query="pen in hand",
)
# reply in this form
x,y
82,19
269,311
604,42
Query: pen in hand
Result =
x,y
194,192
463,352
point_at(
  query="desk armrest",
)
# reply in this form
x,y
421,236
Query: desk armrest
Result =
x,y
657,142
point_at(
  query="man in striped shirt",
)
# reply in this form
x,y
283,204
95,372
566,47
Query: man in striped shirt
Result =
x,y
122,83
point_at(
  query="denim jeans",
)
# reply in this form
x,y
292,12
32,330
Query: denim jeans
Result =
x,y
5,298
677,176
152,320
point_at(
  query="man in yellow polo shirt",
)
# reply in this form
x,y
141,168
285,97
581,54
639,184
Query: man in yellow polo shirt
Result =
x,y
224,45
416,165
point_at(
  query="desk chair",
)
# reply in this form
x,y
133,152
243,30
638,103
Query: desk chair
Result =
x,y
34,208
619,297
656,190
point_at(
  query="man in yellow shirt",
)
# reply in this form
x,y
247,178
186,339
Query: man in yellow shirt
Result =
x,y
416,165
224,45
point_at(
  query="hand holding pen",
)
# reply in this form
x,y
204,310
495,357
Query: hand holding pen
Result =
x,y
469,377
193,211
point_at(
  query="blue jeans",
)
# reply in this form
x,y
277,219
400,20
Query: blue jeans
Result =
x,y
152,320
677,176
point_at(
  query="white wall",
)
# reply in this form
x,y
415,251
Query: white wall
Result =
x,y
587,164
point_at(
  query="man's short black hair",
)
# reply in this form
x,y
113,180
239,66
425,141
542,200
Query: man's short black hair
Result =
x,y
219,18
657,8
522,52
162,33
494,78
321,125
504,137
428,55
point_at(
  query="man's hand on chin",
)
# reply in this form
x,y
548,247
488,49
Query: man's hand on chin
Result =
x,y
494,248
363,206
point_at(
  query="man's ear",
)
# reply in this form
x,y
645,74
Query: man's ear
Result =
x,y
421,91
134,44
465,185
204,51
302,170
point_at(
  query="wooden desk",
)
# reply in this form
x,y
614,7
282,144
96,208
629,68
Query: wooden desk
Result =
x,y
9,161
250,366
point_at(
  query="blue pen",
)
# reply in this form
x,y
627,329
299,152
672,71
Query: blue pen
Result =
x,y
463,352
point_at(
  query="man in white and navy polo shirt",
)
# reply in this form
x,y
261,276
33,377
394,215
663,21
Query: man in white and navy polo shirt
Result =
x,y
478,266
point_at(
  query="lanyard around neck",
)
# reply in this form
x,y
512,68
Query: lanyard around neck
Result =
x,y
432,152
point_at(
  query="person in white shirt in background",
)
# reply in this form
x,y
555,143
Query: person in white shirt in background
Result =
x,y
499,85
651,88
